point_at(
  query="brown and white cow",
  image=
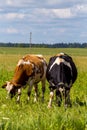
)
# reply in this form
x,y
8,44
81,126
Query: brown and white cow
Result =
x,y
30,70
61,74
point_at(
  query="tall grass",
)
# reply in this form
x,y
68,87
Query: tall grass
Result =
x,y
36,116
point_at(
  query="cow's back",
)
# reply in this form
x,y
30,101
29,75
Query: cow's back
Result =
x,y
36,59
39,62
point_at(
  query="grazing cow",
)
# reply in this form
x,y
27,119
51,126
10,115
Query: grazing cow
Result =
x,y
61,74
30,70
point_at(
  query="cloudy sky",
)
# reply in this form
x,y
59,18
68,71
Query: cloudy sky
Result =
x,y
50,21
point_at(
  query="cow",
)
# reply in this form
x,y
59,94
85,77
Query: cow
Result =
x,y
29,71
61,74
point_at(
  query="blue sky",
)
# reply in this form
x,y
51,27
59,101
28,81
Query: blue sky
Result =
x,y
50,21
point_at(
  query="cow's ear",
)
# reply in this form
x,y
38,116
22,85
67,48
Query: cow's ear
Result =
x,y
4,85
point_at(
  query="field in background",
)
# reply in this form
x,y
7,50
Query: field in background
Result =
x,y
32,116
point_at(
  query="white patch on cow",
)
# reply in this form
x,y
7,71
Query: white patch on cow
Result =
x,y
57,61
26,62
22,62
42,60
9,86
35,98
61,53
61,89
51,94
60,60
39,55
19,93
50,100
67,64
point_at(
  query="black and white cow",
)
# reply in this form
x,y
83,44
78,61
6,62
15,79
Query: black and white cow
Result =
x,y
61,74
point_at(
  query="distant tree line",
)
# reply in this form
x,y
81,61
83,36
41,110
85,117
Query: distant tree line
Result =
x,y
55,45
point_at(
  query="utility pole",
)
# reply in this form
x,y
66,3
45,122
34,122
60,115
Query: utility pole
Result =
x,y
30,38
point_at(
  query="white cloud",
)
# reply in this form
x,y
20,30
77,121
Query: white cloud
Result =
x,y
52,2
9,2
9,30
16,3
1,9
54,13
79,10
62,13
82,8
12,16
15,15
83,34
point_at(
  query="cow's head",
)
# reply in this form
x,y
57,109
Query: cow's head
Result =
x,y
11,89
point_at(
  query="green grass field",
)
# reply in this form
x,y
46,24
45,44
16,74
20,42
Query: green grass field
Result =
x,y
36,116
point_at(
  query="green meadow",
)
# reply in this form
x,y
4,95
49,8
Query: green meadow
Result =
x,y
36,116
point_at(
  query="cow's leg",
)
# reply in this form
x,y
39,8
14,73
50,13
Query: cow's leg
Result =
x,y
29,92
67,98
58,97
19,94
36,92
8,95
43,88
51,98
